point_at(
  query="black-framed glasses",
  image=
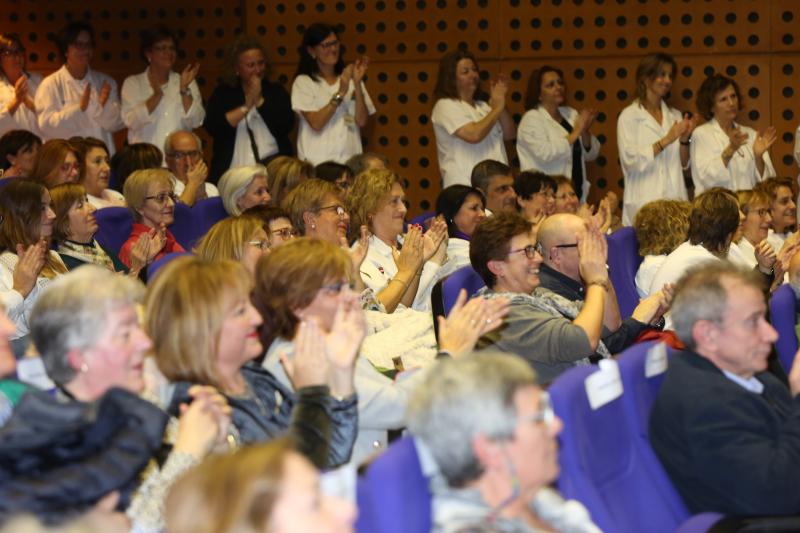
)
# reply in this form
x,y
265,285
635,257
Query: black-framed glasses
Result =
x,y
339,209
574,245
284,233
192,154
161,198
263,245
530,251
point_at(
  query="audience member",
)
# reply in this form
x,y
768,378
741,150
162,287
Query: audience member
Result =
x,y
17,87
160,101
95,173
241,239
76,100
183,152
248,116
470,126
782,207
284,174
536,196
660,226
366,161
151,202
133,157
723,427
204,332
462,208
753,249
723,152
275,221
337,173
57,162
18,153
491,432
496,181
652,162
329,98
554,138
244,187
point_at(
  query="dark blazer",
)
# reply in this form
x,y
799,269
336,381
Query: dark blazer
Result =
x,y
727,449
276,112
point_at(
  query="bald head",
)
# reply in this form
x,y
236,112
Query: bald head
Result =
x,y
182,149
557,234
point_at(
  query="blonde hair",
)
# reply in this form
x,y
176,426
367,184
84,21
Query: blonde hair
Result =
x,y
367,195
185,308
749,197
307,197
309,264
661,226
284,173
229,492
137,184
234,183
227,239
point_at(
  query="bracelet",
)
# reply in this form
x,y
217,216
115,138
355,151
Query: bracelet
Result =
x,y
600,283
399,281
244,109
337,99
687,143
185,92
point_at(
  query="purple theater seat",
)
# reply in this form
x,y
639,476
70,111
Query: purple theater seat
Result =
x,y
156,265
783,313
114,226
463,278
606,462
206,213
184,228
393,495
623,263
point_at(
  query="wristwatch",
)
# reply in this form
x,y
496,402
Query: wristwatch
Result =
x,y
185,92
337,99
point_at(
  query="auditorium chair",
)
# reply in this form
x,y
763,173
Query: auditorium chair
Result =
x,y
156,265
623,263
184,228
114,226
783,313
206,213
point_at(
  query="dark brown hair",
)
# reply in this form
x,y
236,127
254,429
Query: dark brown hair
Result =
x,y
535,85
648,69
708,91
491,241
714,219
446,79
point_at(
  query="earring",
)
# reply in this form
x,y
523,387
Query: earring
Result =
x,y
313,226
84,368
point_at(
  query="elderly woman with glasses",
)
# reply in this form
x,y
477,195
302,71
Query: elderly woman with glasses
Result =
x,y
151,201
750,247
244,187
551,333
241,239
491,432
159,100
17,87
76,100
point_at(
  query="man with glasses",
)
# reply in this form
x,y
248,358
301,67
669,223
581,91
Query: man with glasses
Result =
x,y
183,152
492,465
76,100
552,337
560,275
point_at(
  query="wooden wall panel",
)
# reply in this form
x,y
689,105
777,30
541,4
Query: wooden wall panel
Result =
x,y
597,43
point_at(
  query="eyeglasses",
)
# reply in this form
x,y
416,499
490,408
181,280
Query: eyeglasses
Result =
x,y
763,212
545,414
566,195
339,210
530,251
161,198
284,233
328,45
192,154
164,48
575,245
263,245
10,52
337,288
66,167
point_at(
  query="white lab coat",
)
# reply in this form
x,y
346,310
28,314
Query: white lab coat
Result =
x,y
648,177
708,143
23,118
542,145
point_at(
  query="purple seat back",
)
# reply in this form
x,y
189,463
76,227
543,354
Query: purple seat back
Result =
x,y
114,226
156,265
623,263
206,213
783,313
184,228
605,467
466,278
393,495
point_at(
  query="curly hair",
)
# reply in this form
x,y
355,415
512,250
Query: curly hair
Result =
x,y
235,48
710,88
367,195
661,226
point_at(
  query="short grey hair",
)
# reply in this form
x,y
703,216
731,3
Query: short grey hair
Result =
x,y
461,398
701,295
360,162
168,140
72,312
233,184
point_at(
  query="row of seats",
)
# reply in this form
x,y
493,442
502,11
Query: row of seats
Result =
x,y
605,457
191,223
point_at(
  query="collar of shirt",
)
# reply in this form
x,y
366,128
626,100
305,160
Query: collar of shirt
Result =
x,y
561,284
751,383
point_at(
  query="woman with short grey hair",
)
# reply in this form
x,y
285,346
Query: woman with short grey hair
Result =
x,y
243,187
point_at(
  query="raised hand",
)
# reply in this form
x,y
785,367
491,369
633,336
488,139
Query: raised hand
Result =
x,y
197,173
764,140
498,92
359,252
468,321
433,240
765,256
650,309
29,265
593,253
345,77
87,94
253,92
309,366
157,239
105,92
342,343
410,257
585,120
188,75
157,90
204,423
737,138
139,255
360,69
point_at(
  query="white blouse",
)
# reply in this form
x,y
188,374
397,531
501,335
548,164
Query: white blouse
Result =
x,y
18,307
542,145
648,177
167,117
60,116
23,118
340,138
457,157
708,170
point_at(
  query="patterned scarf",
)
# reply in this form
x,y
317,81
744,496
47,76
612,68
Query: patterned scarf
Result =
x,y
549,302
88,253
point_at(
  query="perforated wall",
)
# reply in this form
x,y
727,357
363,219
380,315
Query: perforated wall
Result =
x,y
596,42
